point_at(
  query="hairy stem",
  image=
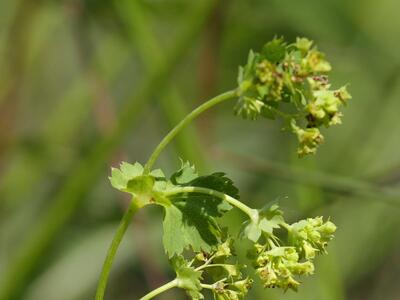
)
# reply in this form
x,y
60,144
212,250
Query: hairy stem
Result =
x,y
161,289
252,213
189,118
126,219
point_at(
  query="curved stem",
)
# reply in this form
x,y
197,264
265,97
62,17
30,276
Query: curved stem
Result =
x,y
126,219
210,266
161,289
252,213
168,138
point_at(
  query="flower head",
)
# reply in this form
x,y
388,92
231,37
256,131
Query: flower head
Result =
x,y
294,74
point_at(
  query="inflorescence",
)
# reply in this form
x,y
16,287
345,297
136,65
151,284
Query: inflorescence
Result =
x,y
290,81
283,80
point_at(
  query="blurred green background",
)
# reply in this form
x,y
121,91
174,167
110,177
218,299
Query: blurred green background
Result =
x,y
85,84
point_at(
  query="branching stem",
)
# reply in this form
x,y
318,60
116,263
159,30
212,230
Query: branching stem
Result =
x,y
134,207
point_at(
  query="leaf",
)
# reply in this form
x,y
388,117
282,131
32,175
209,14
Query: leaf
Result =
x,y
270,218
217,181
140,185
119,177
275,50
267,112
188,278
184,175
190,218
251,230
189,222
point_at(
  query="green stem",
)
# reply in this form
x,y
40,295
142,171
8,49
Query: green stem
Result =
x,y
252,213
207,286
130,212
189,118
161,289
210,266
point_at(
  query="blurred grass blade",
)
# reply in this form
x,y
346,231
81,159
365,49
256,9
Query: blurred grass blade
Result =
x,y
90,168
173,105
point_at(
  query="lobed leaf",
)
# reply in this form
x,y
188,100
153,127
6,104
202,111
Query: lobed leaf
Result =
x,y
188,278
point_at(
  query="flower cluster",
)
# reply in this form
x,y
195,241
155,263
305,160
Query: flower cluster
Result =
x,y
280,259
311,235
228,281
278,266
290,81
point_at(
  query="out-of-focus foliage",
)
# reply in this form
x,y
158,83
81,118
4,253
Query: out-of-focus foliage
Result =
x,y
84,84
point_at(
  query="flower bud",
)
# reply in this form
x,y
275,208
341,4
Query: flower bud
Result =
x,y
243,285
309,251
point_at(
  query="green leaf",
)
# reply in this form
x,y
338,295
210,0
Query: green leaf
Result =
x,y
275,50
189,222
217,181
184,175
251,230
120,177
140,185
267,112
270,218
190,218
188,278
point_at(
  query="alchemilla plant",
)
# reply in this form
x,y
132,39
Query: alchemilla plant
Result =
x,y
286,81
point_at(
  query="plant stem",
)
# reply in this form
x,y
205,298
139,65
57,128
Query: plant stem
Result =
x,y
207,286
161,289
189,118
252,213
126,219
210,266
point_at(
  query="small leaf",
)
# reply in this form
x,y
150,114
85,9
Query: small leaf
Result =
x,y
120,177
190,218
184,175
131,171
218,182
268,113
189,222
270,218
140,185
157,173
252,231
117,179
188,278
275,50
